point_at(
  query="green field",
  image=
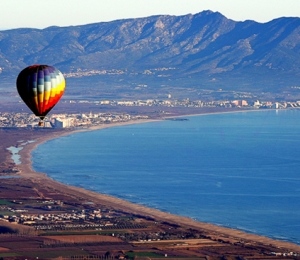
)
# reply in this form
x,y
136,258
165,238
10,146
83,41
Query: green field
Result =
x,y
54,254
8,254
89,232
132,255
5,202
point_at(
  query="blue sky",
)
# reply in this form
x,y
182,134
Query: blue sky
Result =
x,y
45,13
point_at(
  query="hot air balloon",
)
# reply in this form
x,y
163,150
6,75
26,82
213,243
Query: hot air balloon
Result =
x,y
40,87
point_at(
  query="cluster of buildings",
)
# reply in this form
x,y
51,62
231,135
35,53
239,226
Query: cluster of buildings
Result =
x,y
92,119
193,103
22,216
84,73
54,216
64,120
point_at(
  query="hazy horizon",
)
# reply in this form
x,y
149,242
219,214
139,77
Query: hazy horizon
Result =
x,y
93,11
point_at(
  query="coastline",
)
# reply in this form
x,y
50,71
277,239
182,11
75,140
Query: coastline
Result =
x,y
26,171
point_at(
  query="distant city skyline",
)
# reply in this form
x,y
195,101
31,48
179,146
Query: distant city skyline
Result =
x,y
42,14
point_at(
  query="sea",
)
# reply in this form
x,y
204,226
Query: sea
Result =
x,y
239,170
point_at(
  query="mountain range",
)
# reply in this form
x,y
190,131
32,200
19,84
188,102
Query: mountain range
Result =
x,y
205,50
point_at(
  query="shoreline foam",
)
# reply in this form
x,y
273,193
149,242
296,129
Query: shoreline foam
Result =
x,y
26,171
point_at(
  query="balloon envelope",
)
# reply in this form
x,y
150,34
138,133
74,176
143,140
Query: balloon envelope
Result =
x,y
40,87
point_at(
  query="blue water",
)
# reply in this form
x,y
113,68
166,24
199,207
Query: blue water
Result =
x,y
239,170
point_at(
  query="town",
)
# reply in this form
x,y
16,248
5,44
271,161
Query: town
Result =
x,y
67,120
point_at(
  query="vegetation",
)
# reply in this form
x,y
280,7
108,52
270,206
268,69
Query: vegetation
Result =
x,y
2,255
133,255
7,227
5,202
85,232
54,254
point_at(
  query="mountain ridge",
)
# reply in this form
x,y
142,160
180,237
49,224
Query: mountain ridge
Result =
x,y
206,45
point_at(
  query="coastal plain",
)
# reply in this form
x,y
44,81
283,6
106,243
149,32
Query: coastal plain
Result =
x,y
43,218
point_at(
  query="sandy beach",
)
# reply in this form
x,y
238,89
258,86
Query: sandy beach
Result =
x,y
26,171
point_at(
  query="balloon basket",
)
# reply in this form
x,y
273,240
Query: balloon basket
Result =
x,y
41,123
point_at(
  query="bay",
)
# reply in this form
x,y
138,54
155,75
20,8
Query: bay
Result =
x,y
239,170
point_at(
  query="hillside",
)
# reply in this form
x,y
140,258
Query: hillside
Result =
x,y
205,50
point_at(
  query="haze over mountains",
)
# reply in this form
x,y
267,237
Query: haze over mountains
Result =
x,y
205,50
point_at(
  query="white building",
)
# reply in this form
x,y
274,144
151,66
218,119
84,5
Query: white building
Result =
x,y
63,123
